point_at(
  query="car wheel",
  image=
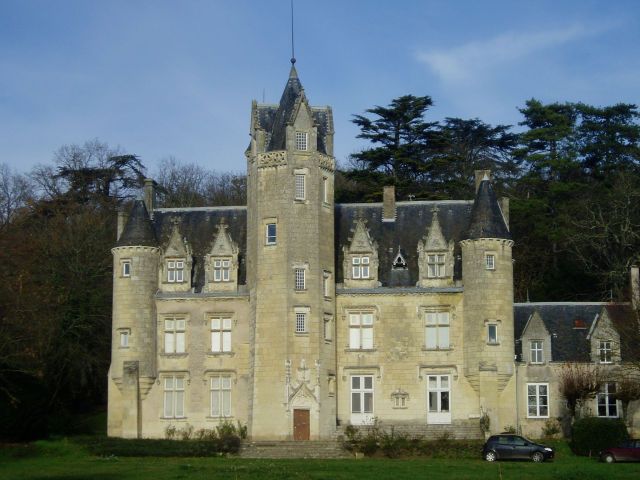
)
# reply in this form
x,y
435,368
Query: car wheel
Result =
x,y
490,456
537,457
608,458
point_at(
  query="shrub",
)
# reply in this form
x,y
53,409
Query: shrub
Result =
x,y
551,428
589,435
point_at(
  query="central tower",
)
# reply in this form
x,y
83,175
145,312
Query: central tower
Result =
x,y
290,267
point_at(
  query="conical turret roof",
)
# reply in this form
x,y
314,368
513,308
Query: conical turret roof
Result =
x,y
487,220
139,229
292,90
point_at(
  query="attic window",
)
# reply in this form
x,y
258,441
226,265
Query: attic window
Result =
x,y
579,324
301,141
399,263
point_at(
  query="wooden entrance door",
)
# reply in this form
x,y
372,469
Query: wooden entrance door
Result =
x,y
301,430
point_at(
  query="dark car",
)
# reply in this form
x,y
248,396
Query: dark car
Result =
x,y
627,451
507,446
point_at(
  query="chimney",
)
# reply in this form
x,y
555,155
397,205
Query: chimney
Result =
x,y
504,206
389,204
122,221
149,195
480,175
635,286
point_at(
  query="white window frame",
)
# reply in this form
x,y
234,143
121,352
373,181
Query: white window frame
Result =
x,y
220,396
534,400
437,325
605,351
361,330
362,409
436,266
536,351
326,284
126,268
302,141
175,329
300,186
221,327
490,261
325,190
438,399
173,396
175,270
222,269
496,339
606,398
299,279
271,238
301,320
360,267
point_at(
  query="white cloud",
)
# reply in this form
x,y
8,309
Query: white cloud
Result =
x,y
465,62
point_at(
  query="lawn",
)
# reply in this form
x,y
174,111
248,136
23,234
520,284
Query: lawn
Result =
x,y
65,459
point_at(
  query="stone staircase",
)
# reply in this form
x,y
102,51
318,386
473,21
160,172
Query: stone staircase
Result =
x,y
293,449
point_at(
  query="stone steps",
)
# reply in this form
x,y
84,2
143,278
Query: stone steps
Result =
x,y
293,449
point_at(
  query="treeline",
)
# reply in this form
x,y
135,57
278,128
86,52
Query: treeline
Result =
x,y
57,228
572,174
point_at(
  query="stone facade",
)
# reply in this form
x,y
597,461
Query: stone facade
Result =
x,y
296,316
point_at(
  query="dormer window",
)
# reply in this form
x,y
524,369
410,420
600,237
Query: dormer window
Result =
x,y
536,351
399,263
360,267
302,141
606,351
175,271
222,270
436,265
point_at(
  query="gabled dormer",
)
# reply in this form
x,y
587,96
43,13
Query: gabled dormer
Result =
x,y
435,256
604,339
360,264
176,264
536,341
221,263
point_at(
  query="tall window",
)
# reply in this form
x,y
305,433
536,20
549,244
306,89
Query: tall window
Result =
x,y
490,261
220,334
606,352
300,186
270,234
492,334
221,270
175,271
328,328
300,283
437,330
174,329
221,396
435,265
126,268
325,189
439,390
124,338
301,140
361,331
301,322
174,397
607,403
538,399
362,394
536,351
360,267
326,283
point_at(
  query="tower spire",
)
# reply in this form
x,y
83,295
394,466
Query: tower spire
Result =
x,y
293,52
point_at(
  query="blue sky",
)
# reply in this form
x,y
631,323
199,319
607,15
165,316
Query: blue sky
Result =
x,y
176,78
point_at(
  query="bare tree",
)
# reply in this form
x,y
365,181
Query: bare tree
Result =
x,y
15,190
577,382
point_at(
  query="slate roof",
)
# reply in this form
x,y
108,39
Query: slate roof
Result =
x,y
274,118
625,321
487,220
411,223
567,343
199,226
138,231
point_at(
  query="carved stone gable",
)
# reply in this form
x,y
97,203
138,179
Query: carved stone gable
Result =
x,y
361,241
178,246
435,256
221,263
435,240
223,244
360,264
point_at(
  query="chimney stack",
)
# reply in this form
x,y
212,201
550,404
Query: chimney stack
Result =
x,y
480,175
149,195
389,204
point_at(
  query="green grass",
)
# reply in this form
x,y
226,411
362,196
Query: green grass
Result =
x,y
67,460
